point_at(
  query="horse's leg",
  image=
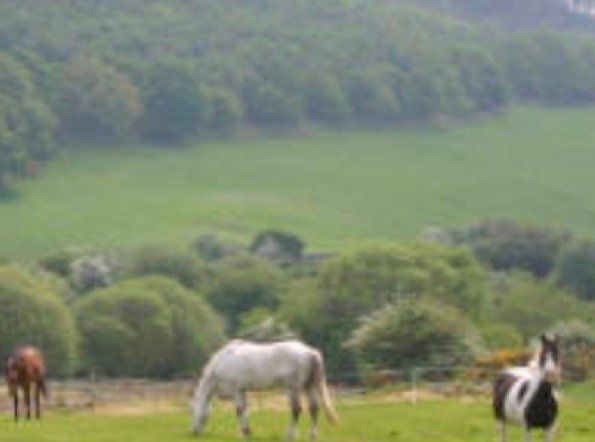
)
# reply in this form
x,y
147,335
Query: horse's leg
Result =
x,y
242,412
549,434
314,408
528,435
27,394
37,401
15,399
296,409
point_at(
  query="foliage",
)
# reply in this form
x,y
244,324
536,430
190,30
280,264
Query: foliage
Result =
x,y
26,122
94,270
261,325
506,245
98,101
161,260
577,347
33,313
364,281
148,326
501,336
532,307
277,245
408,334
225,110
175,108
576,269
210,248
237,285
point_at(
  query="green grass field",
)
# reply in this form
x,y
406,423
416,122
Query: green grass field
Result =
x,y
361,421
334,189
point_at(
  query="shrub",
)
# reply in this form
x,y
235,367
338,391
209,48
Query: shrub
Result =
x,y
576,269
578,348
359,283
501,336
210,248
239,284
506,245
412,334
277,245
32,313
148,326
157,260
532,306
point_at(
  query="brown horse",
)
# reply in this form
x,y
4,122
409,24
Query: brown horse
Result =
x,y
24,369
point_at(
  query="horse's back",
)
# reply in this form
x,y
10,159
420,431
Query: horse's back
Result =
x,y
262,365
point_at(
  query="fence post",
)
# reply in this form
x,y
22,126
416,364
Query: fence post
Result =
x,y
413,374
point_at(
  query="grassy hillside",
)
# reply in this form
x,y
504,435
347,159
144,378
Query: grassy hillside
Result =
x,y
334,189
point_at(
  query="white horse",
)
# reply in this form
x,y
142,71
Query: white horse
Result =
x,y
241,366
526,395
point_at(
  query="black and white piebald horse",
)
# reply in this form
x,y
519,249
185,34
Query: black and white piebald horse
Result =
x,y
526,395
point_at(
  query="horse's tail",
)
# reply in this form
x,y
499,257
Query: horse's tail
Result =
x,y
319,381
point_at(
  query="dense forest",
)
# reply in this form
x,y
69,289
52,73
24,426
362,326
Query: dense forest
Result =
x,y
166,71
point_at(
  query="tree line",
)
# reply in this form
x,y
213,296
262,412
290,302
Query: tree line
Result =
x,y
82,71
447,299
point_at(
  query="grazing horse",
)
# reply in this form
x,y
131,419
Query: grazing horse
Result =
x,y
526,395
25,368
241,366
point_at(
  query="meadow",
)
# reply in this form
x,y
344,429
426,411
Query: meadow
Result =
x,y
361,420
335,189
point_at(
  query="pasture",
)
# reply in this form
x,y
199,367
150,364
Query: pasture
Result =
x,y
376,418
334,189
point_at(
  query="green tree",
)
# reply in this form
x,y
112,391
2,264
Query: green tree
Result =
x,y
237,285
266,104
32,312
175,107
157,260
324,98
98,101
411,334
364,281
576,269
26,123
148,326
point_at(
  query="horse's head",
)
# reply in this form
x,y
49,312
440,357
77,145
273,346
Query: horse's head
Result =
x,y
549,358
201,406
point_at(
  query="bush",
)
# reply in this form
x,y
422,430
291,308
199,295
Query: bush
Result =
x,y
92,271
237,285
156,260
532,307
501,336
210,248
576,269
505,245
277,245
32,313
577,340
148,326
412,334
359,283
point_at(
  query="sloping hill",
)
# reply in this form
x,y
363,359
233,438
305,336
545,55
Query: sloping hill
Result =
x,y
333,189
